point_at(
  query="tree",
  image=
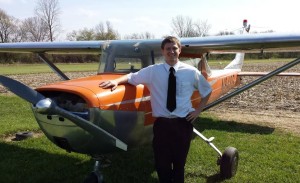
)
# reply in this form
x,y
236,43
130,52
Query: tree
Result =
x,y
35,29
145,35
100,32
185,27
225,33
182,26
82,35
106,34
8,28
48,11
202,28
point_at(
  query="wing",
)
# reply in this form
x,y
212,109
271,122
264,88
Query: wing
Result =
x,y
73,47
242,43
190,46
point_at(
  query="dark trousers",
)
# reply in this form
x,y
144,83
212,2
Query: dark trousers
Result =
x,y
171,144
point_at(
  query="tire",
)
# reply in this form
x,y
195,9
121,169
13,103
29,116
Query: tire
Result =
x,y
23,135
94,177
229,162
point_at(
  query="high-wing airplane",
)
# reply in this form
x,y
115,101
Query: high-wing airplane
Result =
x,y
79,116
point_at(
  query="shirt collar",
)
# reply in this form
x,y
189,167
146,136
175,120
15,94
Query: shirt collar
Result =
x,y
176,66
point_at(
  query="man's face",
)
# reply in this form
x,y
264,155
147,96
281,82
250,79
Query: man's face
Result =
x,y
171,53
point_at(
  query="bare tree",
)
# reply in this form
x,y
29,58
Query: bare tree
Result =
x,y
145,35
100,32
182,26
36,29
185,27
202,28
106,34
48,11
7,27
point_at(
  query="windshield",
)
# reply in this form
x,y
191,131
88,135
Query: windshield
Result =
x,y
127,57
131,56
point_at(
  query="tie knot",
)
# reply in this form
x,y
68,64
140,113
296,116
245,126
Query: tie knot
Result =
x,y
172,69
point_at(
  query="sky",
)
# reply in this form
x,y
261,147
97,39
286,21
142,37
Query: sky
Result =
x,y
155,16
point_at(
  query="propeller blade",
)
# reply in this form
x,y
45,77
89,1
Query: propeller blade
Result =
x,y
21,90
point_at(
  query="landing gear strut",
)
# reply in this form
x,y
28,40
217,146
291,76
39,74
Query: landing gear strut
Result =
x,y
228,161
95,176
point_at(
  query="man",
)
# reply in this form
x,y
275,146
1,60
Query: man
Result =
x,y
171,86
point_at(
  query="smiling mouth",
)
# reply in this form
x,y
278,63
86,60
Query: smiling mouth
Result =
x,y
172,56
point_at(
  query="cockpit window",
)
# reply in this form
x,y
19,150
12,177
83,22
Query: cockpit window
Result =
x,y
126,65
129,56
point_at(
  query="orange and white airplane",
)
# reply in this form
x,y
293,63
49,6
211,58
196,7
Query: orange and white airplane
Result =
x,y
79,116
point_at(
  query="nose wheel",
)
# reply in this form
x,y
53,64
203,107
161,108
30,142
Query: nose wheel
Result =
x,y
95,176
228,160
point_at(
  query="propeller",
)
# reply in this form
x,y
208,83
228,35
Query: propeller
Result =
x,y
21,90
47,106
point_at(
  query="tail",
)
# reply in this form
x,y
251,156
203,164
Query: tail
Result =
x,y
237,62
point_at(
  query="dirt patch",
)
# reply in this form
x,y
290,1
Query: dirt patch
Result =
x,y
12,137
281,120
274,103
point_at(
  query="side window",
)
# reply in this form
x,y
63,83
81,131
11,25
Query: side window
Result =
x,y
127,65
191,61
159,59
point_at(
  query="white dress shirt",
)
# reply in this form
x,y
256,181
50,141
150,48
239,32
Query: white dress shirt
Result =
x,y
155,77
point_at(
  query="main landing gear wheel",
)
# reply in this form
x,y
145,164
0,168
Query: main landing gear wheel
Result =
x,y
94,177
229,162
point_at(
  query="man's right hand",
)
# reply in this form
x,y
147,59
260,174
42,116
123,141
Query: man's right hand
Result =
x,y
108,84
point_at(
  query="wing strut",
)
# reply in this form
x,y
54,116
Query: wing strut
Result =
x,y
52,66
253,83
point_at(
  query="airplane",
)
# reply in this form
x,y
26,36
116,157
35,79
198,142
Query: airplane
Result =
x,y
79,116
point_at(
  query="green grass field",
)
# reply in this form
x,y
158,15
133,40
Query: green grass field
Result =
x,y
266,154
43,68
8,69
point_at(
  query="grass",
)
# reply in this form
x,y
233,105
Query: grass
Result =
x,y
8,69
266,155
43,68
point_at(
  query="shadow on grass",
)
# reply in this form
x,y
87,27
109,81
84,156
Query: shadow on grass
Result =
x,y
208,123
209,179
32,165
205,123
134,166
35,165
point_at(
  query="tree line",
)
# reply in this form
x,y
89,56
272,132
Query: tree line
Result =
x,y
45,26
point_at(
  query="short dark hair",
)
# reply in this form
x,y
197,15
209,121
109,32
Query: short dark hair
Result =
x,y
170,39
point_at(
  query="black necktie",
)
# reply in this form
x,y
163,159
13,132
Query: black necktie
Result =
x,y
171,100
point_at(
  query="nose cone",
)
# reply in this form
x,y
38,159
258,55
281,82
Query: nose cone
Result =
x,y
43,106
